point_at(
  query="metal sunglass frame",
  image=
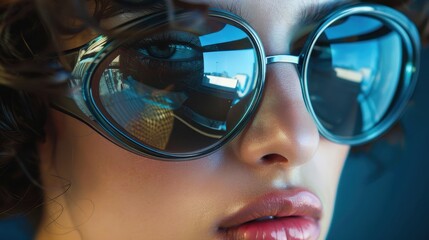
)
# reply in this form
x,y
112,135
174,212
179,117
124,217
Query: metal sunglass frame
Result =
x,y
81,104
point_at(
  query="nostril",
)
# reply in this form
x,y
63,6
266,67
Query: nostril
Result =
x,y
273,158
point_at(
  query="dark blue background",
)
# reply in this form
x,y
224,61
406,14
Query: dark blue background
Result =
x,y
385,197
15,229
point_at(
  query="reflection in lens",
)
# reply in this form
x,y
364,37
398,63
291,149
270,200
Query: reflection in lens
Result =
x,y
353,74
177,91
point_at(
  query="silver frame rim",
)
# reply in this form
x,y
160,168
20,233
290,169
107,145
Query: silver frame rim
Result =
x,y
132,145
411,42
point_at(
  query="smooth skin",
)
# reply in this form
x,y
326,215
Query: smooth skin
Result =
x,y
97,190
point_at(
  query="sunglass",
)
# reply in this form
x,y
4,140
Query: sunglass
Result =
x,y
176,93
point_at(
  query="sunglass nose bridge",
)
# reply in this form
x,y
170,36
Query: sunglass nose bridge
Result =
x,y
282,59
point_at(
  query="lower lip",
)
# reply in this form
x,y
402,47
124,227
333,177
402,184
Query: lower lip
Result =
x,y
290,228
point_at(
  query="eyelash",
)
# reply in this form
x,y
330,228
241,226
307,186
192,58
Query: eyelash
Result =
x,y
190,56
161,65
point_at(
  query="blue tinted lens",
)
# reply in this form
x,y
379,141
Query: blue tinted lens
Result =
x,y
180,92
354,74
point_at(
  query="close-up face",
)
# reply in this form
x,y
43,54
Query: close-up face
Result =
x,y
275,175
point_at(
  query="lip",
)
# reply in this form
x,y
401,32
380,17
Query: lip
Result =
x,y
296,215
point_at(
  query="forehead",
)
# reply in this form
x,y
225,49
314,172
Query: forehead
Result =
x,y
287,12
290,11
264,2
287,8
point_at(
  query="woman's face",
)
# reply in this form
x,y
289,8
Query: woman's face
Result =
x,y
279,166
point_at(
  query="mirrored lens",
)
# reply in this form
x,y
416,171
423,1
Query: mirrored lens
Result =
x,y
179,91
353,74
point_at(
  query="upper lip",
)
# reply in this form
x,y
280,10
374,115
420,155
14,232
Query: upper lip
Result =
x,y
284,203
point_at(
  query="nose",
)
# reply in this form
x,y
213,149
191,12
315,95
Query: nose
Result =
x,y
282,129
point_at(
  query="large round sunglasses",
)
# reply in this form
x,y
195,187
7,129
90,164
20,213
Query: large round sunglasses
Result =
x,y
175,93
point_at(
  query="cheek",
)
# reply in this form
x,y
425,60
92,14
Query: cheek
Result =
x,y
113,186
324,171
329,161
325,167
322,175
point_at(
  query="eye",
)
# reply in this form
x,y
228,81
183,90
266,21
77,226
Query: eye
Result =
x,y
160,51
170,51
165,60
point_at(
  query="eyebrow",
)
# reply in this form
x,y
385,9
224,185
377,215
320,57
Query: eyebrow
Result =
x,y
117,7
309,14
316,12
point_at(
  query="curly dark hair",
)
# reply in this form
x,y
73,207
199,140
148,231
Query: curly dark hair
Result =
x,y
30,65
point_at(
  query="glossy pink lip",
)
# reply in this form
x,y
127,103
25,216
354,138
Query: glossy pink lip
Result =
x,y
295,212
